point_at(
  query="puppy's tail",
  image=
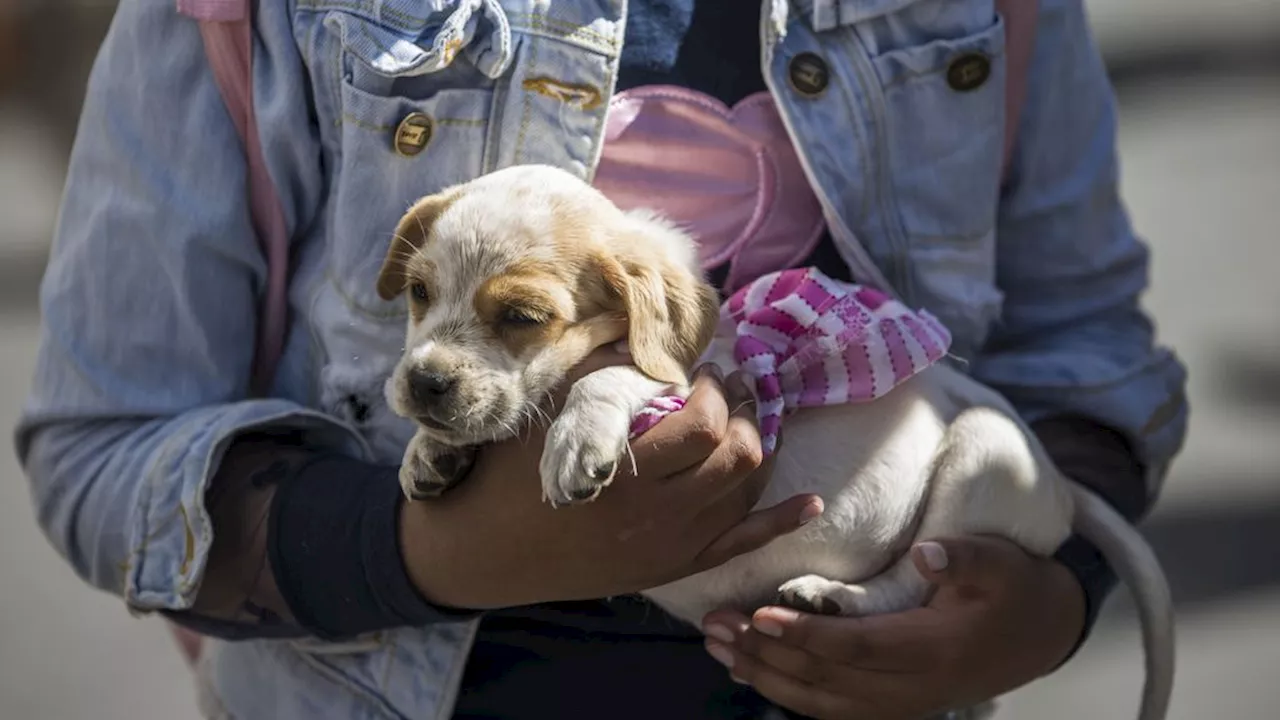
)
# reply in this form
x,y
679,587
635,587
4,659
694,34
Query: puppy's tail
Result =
x,y
1137,566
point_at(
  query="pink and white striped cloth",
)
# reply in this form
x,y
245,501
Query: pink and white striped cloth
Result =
x,y
807,340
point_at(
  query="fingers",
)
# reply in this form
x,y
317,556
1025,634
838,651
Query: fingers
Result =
x,y
781,688
975,562
797,677
726,487
740,397
779,669
754,531
735,631
686,438
735,455
909,641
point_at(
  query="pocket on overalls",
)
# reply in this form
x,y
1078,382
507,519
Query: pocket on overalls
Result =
x,y
416,94
941,70
942,76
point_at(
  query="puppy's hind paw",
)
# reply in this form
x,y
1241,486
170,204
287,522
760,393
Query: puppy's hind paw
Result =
x,y
819,596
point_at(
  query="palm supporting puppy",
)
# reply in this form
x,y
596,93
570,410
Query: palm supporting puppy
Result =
x,y
514,278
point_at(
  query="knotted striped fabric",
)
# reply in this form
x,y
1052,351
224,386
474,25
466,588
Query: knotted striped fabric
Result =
x,y
804,340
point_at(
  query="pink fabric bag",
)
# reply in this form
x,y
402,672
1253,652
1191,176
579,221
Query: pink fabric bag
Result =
x,y
803,339
226,27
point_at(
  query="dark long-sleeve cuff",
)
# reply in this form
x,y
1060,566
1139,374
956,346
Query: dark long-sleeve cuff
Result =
x,y
335,550
1100,459
1096,579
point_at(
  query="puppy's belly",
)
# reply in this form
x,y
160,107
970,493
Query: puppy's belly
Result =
x,y
870,463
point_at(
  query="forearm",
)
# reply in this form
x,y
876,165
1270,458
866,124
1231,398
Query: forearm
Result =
x,y
239,596
307,542
247,520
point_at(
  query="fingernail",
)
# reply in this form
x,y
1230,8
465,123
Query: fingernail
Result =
x,y
812,511
711,369
738,680
775,614
766,626
935,556
719,632
623,347
720,654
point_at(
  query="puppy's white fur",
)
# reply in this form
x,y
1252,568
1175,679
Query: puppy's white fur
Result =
x,y
941,455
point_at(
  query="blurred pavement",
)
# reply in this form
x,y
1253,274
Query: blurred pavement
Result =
x,y
1201,166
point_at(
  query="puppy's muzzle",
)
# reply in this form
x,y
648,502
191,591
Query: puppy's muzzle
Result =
x,y
432,392
430,387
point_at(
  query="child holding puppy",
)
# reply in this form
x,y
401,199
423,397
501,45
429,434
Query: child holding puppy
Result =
x,y
964,155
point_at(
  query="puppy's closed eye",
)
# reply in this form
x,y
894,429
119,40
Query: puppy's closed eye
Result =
x,y
522,317
522,297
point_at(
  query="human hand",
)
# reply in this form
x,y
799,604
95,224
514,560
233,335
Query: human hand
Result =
x,y
493,542
999,618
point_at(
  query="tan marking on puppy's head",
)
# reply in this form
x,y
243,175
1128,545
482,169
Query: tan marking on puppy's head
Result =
x,y
515,278
410,235
527,306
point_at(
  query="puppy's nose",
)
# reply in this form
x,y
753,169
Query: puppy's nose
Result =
x,y
428,387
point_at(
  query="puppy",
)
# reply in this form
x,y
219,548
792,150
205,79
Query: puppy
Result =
x,y
514,278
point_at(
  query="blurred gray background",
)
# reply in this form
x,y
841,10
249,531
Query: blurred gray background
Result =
x,y
1199,88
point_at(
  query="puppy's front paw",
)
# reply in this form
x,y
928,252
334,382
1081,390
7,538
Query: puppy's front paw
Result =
x,y
819,596
429,468
582,451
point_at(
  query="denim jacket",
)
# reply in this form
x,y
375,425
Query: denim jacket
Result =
x,y
150,297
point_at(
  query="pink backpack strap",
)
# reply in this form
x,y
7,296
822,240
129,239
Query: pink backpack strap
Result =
x,y
227,30
1020,18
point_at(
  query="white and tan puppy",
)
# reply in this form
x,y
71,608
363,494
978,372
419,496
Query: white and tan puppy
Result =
x,y
514,278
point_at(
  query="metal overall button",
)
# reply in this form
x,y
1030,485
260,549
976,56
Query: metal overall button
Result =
x,y
809,74
413,134
968,72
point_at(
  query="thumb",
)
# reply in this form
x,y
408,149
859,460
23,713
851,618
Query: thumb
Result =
x,y
982,563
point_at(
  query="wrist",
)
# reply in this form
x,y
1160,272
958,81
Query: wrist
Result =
x,y
1092,579
428,556
450,563
1102,460
1071,614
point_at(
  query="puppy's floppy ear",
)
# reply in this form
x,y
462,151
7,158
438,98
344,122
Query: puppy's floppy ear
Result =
x,y
671,315
410,235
